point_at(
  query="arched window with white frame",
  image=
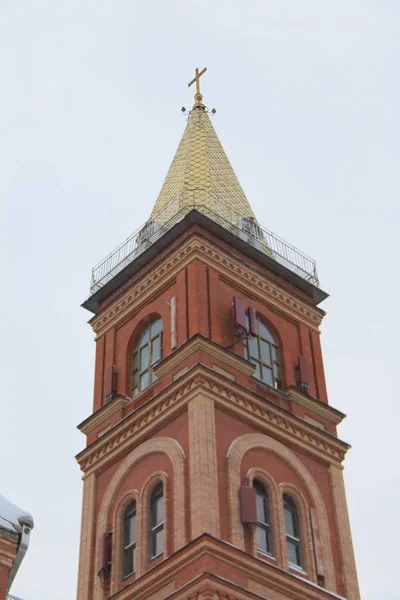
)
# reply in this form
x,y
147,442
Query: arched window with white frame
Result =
x,y
263,351
156,522
292,532
147,353
263,528
129,541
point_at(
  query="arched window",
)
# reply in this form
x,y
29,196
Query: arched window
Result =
x,y
263,529
263,351
292,530
156,542
129,549
146,354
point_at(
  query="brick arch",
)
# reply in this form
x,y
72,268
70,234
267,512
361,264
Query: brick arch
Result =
x,y
175,453
235,455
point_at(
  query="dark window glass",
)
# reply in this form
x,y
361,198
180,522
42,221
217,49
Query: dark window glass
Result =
x,y
129,537
263,529
146,354
157,521
292,530
263,352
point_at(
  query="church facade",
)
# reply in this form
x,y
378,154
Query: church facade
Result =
x,y
212,469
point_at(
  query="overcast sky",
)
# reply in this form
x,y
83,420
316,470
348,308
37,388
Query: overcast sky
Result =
x,y
307,99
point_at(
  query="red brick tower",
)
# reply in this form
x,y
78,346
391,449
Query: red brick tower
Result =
x,y
212,468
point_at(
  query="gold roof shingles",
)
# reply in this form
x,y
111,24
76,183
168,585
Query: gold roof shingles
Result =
x,y
201,174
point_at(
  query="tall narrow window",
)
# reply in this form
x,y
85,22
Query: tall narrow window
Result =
x,y
292,530
129,534
157,521
263,529
263,351
146,354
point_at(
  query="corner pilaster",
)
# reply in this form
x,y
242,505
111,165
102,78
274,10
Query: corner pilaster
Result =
x,y
203,467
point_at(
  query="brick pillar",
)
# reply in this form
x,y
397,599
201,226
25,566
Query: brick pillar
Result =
x,y
203,467
87,548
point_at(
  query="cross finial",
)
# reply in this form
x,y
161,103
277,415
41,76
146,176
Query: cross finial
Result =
x,y
198,97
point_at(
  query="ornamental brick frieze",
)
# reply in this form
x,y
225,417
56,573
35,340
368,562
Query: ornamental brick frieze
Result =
x,y
262,413
252,281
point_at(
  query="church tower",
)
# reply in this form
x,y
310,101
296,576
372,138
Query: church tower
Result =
x,y
212,468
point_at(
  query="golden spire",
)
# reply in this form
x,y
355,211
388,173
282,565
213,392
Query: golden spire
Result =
x,y
200,174
198,96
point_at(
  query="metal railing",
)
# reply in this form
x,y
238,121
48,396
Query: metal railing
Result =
x,y
10,597
245,228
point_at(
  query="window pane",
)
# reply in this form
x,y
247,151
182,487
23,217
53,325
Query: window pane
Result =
x,y
262,539
260,508
159,542
275,353
277,371
257,372
289,525
136,360
293,554
156,350
159,510
129,562
267,375
144,380
156,327
265,352
143,338
253,347
264,332
135,379
144,358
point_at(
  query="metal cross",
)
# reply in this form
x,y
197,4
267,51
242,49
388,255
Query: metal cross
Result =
x,y
197,79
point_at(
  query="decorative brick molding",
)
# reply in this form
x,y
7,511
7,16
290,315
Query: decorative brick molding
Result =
x,y
103,414
198,343
263,413
235,456
204,504
328,413
86,550
175,453
344,534
231,268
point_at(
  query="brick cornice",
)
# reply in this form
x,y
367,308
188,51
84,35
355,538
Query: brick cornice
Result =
x,y
283,583
320,408
196,246
198,343
104,413
260,412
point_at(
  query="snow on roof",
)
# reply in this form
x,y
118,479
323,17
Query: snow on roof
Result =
x,y
13,518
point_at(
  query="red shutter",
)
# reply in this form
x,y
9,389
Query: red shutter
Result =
x,y
248,509
304,379
110,385
252,321
102,562
239,313
319,563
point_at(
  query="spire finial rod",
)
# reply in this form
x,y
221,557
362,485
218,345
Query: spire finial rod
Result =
x,y
198,97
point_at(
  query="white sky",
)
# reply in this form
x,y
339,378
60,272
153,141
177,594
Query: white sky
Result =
x,y
307,95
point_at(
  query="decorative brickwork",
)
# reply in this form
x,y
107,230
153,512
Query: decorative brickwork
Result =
x,y
234,459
